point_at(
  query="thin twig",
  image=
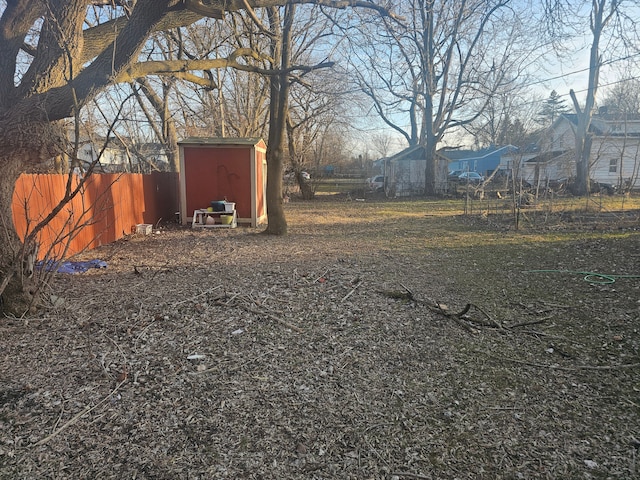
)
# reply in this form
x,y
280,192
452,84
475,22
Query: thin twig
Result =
x,y
570,369
321,276
533,322
410,475
455,316
490,321
190,299
351,292
411,295
79,416
267,314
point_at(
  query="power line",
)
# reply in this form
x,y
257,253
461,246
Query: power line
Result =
x,y
586,69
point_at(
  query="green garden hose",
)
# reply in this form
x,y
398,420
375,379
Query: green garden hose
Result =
x,y
591,277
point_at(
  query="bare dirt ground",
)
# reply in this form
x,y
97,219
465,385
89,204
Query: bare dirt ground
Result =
x,y
337,352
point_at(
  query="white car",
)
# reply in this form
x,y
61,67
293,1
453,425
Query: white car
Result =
x,y
376,183
305,176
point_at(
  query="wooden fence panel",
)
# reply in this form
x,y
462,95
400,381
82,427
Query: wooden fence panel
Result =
x,y
107,208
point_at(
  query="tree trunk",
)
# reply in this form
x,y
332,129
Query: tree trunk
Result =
x,y
275,158
275,206
278,111
17,290
305,186
427,137
599,20
430,171
582,146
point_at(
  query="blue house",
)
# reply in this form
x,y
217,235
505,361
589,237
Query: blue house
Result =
x,y
483,161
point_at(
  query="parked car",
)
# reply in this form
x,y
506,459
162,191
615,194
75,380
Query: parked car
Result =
x,y
305,176
376,183
470,177
453,175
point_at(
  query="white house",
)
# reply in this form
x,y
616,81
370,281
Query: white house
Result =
x,y
405,173
116,156
615,152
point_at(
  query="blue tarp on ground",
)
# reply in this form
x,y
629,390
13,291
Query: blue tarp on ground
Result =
x,y
70,267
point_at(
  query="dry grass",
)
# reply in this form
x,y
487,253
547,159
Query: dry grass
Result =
x,y
317,362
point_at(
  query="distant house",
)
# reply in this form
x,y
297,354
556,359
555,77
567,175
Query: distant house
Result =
x,y
405,173
483,161
615,152
116,156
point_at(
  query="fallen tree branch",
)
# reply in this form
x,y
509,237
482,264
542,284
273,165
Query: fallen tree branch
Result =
x,y
461,318
457,317
411,295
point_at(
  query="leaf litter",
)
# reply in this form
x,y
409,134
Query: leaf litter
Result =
x,y
329,353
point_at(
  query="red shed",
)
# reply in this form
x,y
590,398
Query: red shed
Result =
x,y
234,169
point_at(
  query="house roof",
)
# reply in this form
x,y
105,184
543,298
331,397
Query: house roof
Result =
x,y
610,125
547,156
456,155
415,152
248,141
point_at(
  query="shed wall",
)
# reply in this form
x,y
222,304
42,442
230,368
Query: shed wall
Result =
x,y
212,170
216,173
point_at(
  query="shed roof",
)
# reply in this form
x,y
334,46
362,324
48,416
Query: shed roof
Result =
x,y
415,152
246,141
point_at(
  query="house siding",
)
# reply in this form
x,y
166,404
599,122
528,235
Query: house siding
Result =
x,y
615,152
626,153
406,178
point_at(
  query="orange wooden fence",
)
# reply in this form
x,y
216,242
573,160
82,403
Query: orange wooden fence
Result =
x,y
108,207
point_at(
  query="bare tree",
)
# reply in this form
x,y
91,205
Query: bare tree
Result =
x,y
316,107
227,102
382,142
67,66
283,73
423,76
508,117
609,22
623,98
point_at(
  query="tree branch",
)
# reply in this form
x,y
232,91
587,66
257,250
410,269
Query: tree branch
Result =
x,y
181,66
204,9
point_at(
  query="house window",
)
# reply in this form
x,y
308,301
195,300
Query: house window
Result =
x,y
613,165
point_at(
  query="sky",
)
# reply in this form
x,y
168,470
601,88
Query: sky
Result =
x,y
565,72
560,75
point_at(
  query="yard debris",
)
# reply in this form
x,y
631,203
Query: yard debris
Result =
x,y
196,356
462,317
69,266
385,384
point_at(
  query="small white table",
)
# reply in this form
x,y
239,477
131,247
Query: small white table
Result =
x,y
200,217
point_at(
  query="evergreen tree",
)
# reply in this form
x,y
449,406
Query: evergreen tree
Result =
x,y
552,108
